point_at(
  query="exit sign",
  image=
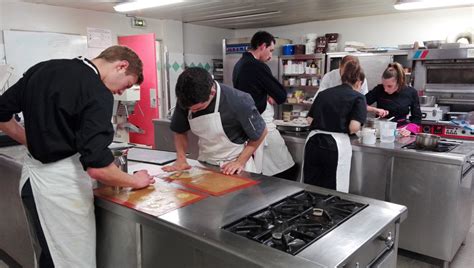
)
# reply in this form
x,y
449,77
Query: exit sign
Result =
x,y
138,23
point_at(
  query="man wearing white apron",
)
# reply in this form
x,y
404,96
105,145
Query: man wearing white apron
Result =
x,y
336,113
253,76
225,120
67,107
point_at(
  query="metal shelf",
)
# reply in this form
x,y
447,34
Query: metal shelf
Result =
x,y
302,75
311,88
303,57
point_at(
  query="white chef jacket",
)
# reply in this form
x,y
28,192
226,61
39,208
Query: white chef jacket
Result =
x,y
333,78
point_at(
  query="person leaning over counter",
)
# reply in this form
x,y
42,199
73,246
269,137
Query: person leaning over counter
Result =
x,y
333,78
226,121
253,76
67,107
395,99
336,113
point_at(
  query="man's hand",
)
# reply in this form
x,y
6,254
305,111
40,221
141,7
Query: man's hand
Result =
x,y
271,101
381,112
142,179
177,165
233,167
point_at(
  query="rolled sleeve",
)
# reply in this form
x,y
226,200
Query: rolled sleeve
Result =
x,y
179,120
10,101
359,110
96,133
251,120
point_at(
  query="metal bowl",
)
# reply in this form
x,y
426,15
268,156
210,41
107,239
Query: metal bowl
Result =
x,y
427,141
427,101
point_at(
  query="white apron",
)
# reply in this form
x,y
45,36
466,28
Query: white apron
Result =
x,y
272,156
65,203
344,155
215,147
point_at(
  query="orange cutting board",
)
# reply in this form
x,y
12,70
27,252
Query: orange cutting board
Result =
x,y
155,200
209,181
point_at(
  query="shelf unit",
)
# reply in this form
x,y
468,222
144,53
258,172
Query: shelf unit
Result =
x,y
218,70
297,69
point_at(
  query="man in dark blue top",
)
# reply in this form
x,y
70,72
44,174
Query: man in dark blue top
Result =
x,y
253,76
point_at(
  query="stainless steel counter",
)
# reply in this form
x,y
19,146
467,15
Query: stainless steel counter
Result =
x,y
435,186
192,236
14,238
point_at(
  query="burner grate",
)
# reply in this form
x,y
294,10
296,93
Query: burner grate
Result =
x,y
442,147
292,224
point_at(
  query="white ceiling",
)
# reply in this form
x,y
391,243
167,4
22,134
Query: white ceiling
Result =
x,y
235,14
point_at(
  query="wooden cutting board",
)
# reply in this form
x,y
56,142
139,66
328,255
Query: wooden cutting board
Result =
x,y
209,181
155,200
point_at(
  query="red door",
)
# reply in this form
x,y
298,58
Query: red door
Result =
x,y
147,108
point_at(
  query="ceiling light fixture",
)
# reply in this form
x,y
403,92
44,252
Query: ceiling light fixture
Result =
x,y
142,4
425,4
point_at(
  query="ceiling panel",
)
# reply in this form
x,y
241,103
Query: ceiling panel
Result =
x,y
235,14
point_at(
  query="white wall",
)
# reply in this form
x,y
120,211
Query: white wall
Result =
x,y
383,30
203,43
208,47
207,36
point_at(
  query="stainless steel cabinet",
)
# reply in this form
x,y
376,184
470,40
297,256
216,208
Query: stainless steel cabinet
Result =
x,y
373,63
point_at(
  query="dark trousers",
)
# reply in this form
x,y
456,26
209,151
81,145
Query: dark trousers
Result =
x,y
45,260
320,161
290,174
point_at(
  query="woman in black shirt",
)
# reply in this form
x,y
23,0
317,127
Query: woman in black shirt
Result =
x,y
335,113
395,99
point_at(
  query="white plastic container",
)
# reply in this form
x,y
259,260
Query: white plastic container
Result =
x,y
388,131
368,136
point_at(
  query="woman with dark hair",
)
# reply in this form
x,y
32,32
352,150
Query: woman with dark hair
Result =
x,y
395,99
336,113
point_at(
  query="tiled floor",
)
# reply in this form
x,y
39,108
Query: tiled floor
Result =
x,y
463,259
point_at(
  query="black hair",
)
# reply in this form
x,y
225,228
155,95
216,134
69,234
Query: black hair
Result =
x,y
193,86
261,37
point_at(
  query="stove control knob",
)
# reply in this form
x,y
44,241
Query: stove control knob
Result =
x,y
388,240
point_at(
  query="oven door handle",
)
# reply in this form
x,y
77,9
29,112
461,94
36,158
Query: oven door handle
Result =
x,y
389,241
471,163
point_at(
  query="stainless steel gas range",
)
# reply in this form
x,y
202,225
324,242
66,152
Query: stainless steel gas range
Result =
x,y
294,223
362,232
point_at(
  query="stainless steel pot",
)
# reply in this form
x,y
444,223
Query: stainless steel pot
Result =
x,y
427,141
427,101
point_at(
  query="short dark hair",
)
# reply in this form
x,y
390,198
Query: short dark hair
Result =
x,y
261,37
117,53
193,86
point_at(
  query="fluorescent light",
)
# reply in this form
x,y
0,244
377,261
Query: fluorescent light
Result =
x,y
142,4
422,4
